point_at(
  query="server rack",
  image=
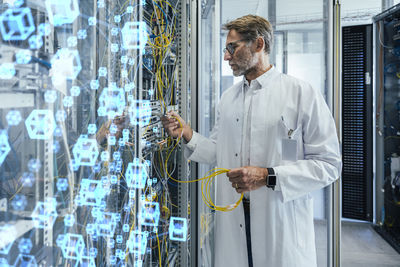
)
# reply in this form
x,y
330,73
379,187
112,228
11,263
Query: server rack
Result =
x,y
357,173
387,27
93,214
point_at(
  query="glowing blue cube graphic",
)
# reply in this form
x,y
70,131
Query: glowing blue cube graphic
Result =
x,y
25,260
35,42
7,71
136,174
103,71
68,101
86,262
13,117
114,48
140,112
4,262
149,213
82,34
67,64
44,29
61,115
178,229
23,57
134,35
72,41
75,90
62,184
92,128
69,220
72,246
19,202
114,31
92,21
106,223
4,146
40,124
62,11
44,215
137,242
100,3
25,245
50,96
91,193
16,24
105,156
111,102
27,179
34,165
94,84
7,237
85,151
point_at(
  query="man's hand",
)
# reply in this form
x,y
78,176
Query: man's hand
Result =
x,y
247,178
176,126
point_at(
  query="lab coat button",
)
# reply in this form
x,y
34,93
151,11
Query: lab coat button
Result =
x,y
236,154
240,225
237,119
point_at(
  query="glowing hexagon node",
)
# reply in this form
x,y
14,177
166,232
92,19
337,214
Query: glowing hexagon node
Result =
x,y
91,193
134,35
72,246
4,146
40,124
25,245
13,117
62,11
25,260
67,63
111,102
136,174
106,223
4,262
44,215
149,213
86,262
7,71
178,229
16,24
140,112
85,151
7,238
137,242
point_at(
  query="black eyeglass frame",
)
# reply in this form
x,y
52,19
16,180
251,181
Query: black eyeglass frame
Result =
x,y
231,48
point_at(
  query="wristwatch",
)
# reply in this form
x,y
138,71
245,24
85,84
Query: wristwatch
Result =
x,y
271,179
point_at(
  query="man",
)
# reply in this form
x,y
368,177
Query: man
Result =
x,y
278,138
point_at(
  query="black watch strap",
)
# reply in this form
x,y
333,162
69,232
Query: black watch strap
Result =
x,y
271,178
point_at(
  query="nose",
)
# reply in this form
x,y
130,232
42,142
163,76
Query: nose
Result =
x,y
227,56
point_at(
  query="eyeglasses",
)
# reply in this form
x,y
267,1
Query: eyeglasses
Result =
x,y
231,47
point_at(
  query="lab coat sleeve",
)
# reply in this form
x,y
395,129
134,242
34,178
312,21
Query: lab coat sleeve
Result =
x,y
321,164
202,149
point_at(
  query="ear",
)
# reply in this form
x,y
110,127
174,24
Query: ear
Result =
x,y
259,44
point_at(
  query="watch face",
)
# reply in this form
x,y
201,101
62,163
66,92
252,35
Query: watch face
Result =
x,y
272,180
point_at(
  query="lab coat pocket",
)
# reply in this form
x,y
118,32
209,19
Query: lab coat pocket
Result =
x,y
303,212
290,140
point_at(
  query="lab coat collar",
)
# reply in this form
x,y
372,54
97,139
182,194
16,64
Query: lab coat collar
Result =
x,y
262,80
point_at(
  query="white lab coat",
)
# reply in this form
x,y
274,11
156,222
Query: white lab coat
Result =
x,y
282,228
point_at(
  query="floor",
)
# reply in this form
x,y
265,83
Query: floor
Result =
x,y
361,246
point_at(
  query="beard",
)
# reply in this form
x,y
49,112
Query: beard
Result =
x,y
243,64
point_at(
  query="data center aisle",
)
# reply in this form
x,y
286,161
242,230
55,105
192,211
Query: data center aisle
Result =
x,y
361,246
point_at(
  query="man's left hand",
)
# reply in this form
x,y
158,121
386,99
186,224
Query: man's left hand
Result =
x,y
247,178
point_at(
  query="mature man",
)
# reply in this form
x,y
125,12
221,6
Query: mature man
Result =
x,y
277,136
